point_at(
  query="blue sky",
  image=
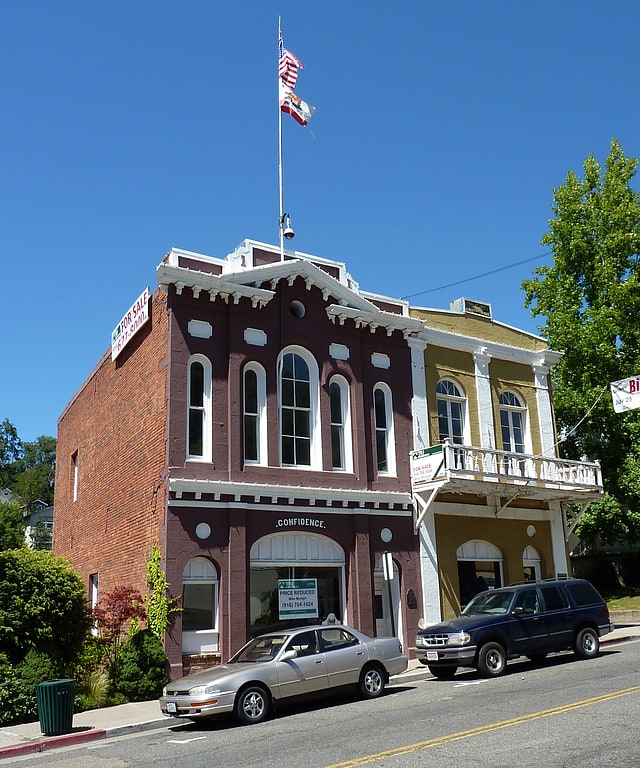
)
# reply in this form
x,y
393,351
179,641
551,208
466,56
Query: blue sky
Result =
x,y
440,132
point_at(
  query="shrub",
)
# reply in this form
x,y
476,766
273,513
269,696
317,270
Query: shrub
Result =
x,y
43,606
140,670
17,705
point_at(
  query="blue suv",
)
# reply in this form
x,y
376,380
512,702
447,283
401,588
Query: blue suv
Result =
x,y
530,619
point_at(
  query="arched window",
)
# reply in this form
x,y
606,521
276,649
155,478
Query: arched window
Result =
x,y
479,568
199,408
452,405
383,420
298,400
199,606
254,399
512,422
341,457
531,564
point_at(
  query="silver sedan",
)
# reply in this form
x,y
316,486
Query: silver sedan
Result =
x,y
279,665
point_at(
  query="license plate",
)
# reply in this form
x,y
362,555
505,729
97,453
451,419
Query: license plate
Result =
x,y
432,655
171,707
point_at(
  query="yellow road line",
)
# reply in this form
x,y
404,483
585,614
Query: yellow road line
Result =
x,y
440,740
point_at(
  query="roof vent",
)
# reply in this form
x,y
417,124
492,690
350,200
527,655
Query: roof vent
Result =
x,y
472,307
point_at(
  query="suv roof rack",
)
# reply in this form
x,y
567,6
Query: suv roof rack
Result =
x,y
559,577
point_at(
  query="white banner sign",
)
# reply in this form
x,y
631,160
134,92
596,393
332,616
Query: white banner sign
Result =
x,y
135,317
626,394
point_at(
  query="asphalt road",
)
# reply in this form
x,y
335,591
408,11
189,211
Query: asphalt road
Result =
x,y
566,714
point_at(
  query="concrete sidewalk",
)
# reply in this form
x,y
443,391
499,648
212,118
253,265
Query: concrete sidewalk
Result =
x,y
139,716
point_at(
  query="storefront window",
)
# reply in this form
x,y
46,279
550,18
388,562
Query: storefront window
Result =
x,y
264,595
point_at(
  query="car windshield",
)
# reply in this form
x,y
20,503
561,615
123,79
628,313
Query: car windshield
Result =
x,y
259,649
489,602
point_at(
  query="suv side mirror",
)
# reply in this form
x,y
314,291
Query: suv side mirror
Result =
x,y
518,611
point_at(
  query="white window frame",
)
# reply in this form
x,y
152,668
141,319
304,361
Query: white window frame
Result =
x,y
260,415
206,408
512,408
75,470
315,455
387,429
449,399
200,570
345,425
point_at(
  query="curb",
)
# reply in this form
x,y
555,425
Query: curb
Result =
x,y
51,742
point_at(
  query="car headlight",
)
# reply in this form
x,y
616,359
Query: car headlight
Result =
x,y
458,638
203,690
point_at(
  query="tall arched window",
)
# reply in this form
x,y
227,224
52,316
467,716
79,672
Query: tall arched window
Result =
x,y
512,422
199,408
451,404
298,399
383,421
479,568
254,414
340,424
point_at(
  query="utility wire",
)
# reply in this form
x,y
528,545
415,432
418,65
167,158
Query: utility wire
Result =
x,y
476,277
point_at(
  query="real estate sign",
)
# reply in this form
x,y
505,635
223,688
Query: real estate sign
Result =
x,y
626,394
297,598
135,317
427,465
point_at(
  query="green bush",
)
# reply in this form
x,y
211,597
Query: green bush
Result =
x,y
140,670
18,702
43,606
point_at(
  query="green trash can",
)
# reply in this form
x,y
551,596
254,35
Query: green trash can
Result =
x,y
55,706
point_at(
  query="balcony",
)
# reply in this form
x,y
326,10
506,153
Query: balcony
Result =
x,y
465,469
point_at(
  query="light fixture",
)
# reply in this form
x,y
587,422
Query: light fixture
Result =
x,y
285,226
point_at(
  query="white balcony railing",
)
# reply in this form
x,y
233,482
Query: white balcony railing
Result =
x,y
491,464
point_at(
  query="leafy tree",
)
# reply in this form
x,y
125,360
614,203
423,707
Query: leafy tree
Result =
x,y
12,526
141,668
43,606
117,613
10,453
590,302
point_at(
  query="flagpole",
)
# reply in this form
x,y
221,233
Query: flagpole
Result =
x,y
281,216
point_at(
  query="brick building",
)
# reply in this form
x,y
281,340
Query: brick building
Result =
x,y
257,425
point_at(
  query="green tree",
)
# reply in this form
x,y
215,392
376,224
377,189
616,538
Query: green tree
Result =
x,y
590,302
36,472
159,605
10,454
12,526
43,606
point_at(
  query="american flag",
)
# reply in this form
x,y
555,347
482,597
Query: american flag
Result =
x,y
288,66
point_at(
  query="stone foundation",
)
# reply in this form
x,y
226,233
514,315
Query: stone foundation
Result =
x,y
196,663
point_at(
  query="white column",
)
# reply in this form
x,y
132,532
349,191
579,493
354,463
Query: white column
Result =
x,y
558,540
481,359
419,402
429,566
545,412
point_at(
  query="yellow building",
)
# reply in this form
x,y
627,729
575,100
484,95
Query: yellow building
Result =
x,y
488,486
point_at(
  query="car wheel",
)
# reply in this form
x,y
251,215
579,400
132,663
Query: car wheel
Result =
x,y
492,660
443,673
372,682
252,705
587,643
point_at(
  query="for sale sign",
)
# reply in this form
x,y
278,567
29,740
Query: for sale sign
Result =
x,y
626,394
298,598
427,465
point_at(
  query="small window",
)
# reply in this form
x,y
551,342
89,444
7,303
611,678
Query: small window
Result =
x,y
451,412
340,429
199,596
199,408
512,422
254,414
334,639
383,420
74,476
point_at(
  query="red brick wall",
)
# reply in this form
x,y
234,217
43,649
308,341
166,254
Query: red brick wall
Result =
x,y
116,423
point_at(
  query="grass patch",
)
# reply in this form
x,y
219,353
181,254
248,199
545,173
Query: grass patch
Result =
x,y
623,600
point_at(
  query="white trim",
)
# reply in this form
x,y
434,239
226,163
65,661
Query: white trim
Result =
x,y
347,427
261,424
481,360
389,429
315,452
419,407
